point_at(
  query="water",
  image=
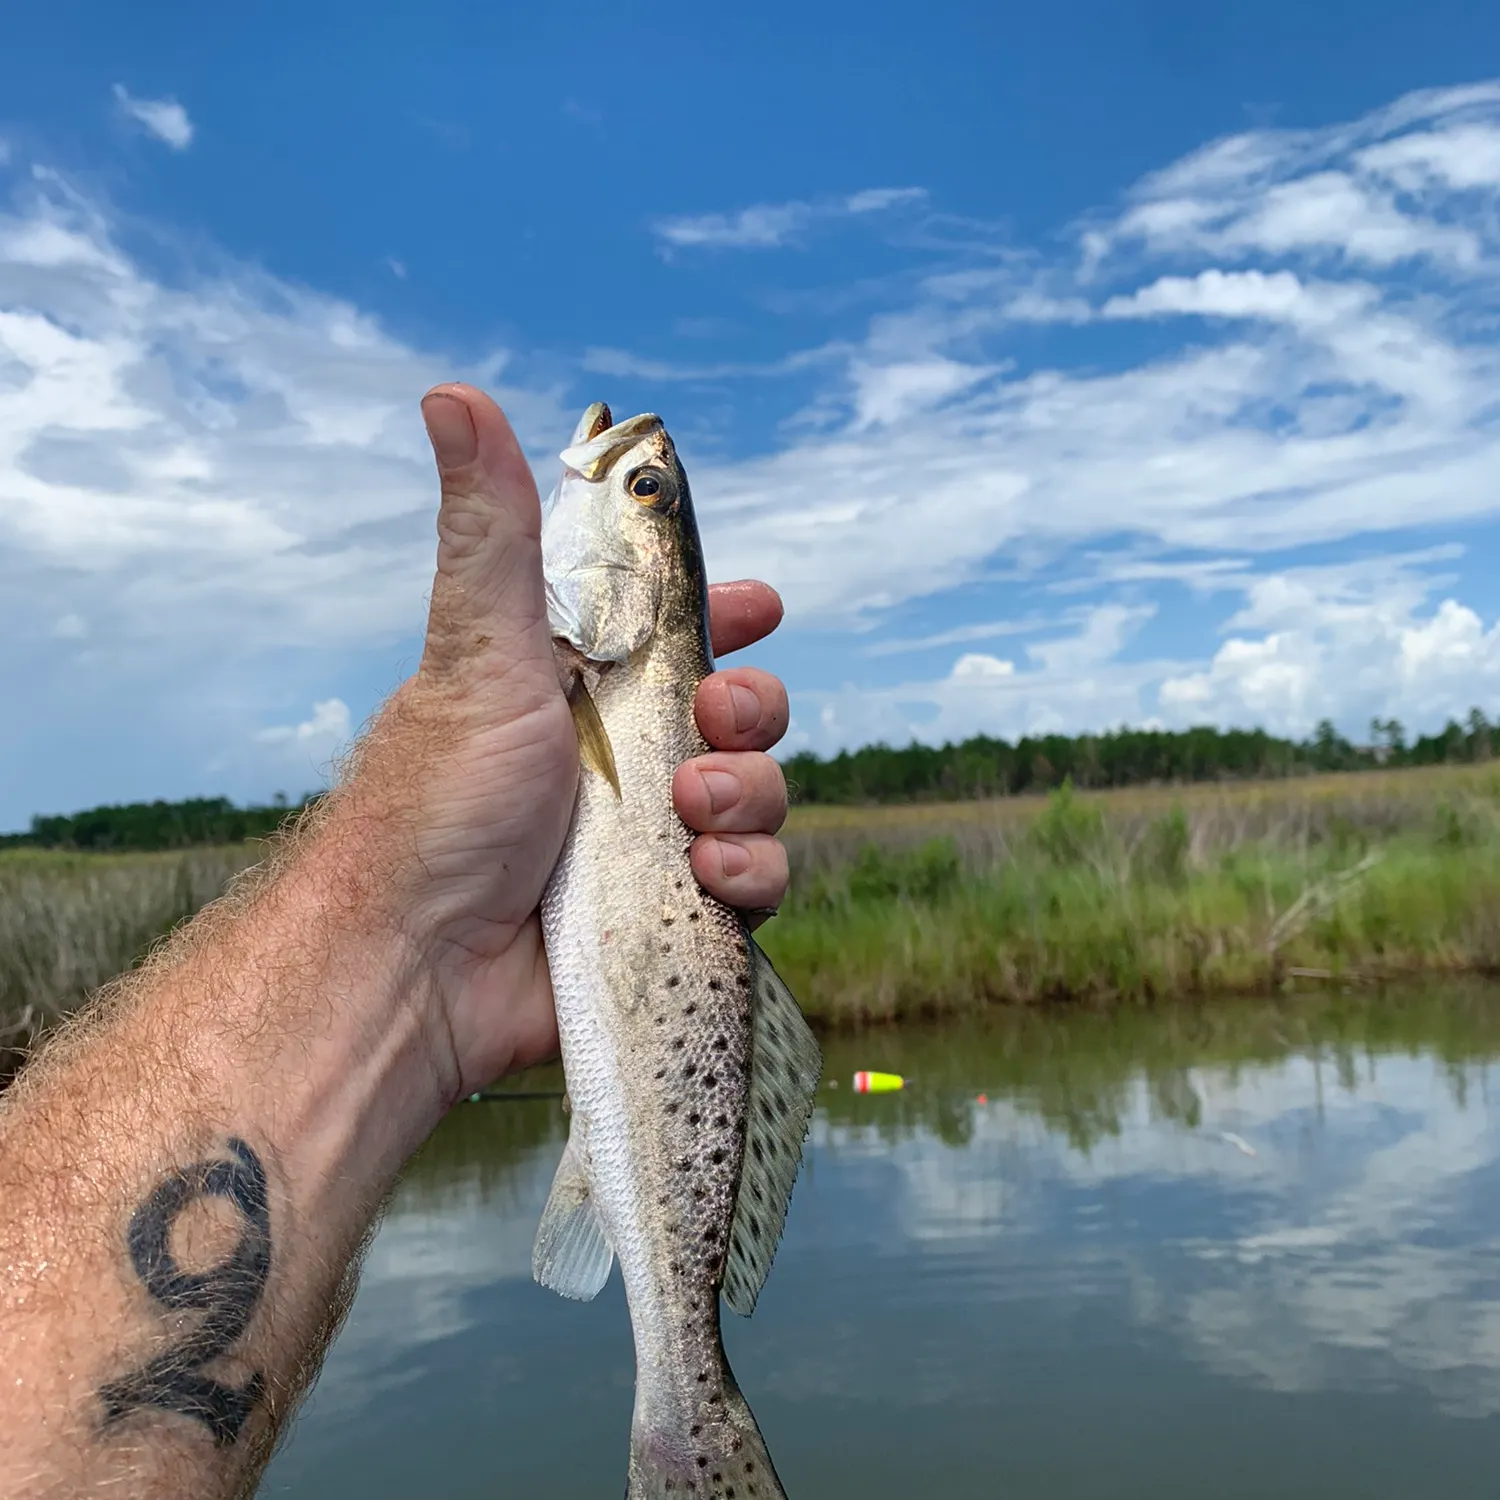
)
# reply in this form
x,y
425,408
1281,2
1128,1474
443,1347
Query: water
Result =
x,y
1085,1286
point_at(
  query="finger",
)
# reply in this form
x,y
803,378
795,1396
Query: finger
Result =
x,y
741,869
741,708
742,793
489,575
739,614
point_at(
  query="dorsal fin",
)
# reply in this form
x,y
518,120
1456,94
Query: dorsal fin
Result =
x,y
784,1067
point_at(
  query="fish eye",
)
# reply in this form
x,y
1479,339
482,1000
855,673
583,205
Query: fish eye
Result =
x,y
651,486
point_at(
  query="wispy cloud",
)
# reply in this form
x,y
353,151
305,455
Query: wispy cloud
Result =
x,y
230,469
214,496
165,119
983,630
768,226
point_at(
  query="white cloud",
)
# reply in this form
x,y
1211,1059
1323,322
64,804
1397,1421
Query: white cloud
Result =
x,y
224,475
766,226
329,727
977,665
165,119
1347,642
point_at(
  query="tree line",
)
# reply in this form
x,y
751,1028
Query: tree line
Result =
x,y
983,766
137,826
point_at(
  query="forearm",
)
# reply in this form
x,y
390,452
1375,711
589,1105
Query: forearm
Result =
x,y
186,1180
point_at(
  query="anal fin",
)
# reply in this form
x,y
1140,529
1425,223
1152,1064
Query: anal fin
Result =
x,y
785,1064
571,1254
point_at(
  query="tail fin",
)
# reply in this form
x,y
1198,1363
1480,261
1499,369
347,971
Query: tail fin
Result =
x,y
721,1456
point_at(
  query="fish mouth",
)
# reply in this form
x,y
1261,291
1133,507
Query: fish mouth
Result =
x,y
597,442
594,421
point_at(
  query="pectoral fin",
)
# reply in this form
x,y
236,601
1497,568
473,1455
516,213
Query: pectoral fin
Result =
x,y
594,748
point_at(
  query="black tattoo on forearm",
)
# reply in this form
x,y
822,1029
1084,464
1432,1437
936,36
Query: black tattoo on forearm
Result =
x,y
226,1295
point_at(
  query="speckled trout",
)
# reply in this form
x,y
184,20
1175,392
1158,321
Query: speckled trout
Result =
x,y
690,1069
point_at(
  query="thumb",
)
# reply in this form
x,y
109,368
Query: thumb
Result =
x,y
488,589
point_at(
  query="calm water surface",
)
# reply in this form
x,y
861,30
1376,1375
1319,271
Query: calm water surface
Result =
x,y
1248,1250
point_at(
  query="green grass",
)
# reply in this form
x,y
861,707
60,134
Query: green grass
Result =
x,y
1114,900
1119,898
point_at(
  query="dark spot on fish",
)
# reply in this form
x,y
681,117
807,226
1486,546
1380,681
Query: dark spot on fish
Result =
x,y
714,984
666,947
716,1155
679,1043
721,1044
703,1462
689,1069
685,1164
710,1080
721,1121
758,1194
693,1305
702,1377
667,921
700,1193
691,1009
744,981
717,1476
660,1072
693,916
673,980
695,1429
695,1118
676,885
672,1107
739,1127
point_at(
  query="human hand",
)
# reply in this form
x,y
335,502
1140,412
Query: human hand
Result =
x,y
469,773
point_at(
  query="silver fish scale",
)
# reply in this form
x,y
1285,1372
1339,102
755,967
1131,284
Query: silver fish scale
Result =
x,y
652,980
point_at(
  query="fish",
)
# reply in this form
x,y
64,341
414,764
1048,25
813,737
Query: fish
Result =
x,y
691,1072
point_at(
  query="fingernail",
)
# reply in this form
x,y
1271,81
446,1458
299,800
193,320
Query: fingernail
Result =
x,y
723,789
735,859
451,429
746,707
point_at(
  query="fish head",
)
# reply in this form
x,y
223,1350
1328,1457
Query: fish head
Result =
x,y
618,537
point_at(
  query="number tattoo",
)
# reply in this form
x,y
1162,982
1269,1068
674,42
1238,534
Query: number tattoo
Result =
x,y
226,1295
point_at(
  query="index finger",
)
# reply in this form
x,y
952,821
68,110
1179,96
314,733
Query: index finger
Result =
x,y
739,614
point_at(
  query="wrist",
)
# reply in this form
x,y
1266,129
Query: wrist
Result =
x,y
309,1007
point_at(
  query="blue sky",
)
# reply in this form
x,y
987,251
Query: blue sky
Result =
x,y
1092,364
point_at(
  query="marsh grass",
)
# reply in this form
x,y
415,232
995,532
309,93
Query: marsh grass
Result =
x,y
70,922
899,912
1134,896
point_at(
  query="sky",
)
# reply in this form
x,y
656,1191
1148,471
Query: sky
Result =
x,y
1068,367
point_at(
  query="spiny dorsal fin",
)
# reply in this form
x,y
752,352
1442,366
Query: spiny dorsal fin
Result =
x,y
594,748
571,1253
784,1068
